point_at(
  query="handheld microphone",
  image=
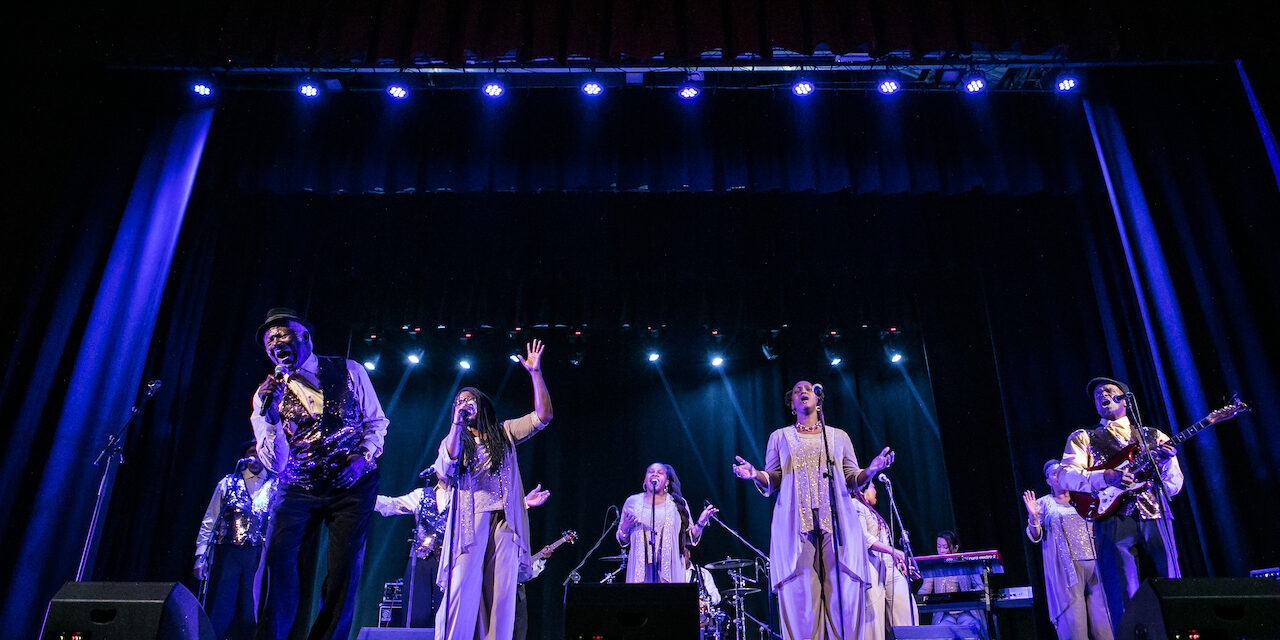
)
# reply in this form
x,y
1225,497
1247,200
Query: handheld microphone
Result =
x,y
429,471
279,374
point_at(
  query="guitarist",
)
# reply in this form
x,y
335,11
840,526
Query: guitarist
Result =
x,y
1137,541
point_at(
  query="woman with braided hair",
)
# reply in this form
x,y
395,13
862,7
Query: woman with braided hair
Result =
x,y
657,528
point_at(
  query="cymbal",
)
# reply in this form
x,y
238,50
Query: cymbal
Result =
x,y
730,563
621,557
745,591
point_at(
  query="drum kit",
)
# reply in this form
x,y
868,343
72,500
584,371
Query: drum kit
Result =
x,y
713,621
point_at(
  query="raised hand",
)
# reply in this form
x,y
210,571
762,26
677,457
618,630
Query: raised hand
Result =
x,y
532,360
536,497
744,469
629,522
1029,501
705,516
880,462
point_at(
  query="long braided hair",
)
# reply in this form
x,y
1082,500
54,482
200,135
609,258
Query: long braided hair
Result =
x,y
491,435
682,506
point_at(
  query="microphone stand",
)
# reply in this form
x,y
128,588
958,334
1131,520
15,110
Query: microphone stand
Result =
x,y
209,555
454,479
835,522
113,455
768,572
651,553
906,542
1162,492
573,574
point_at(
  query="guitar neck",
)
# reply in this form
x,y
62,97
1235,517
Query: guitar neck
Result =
x,y
549,549
1185,434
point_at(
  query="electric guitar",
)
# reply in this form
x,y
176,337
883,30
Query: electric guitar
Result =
x,y
1108,501
569,537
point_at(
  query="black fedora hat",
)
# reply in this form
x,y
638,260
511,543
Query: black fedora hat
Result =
x,y
1101,380
278,316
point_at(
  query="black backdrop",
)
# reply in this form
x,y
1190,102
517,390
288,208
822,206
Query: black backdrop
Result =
x,y
1006,276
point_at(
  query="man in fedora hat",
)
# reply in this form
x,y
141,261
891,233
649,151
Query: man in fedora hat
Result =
x,y
229,545
320,428
1137,542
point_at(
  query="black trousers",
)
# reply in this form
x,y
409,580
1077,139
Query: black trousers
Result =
x,y
230,603
1130,550
297,514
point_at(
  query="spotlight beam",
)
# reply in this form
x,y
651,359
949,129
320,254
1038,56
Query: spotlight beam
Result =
x,y
442,423
742,418
684,424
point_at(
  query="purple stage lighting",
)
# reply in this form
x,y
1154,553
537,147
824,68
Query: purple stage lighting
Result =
x,y
494,89
974,83
201,89
308,90
689,91
888,86
398,92
1066,81
802,88
592,88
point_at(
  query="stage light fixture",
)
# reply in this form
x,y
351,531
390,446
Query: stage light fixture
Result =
x,y
592,88
493,89
717,361
398,91
202,89
464,364
653,356
895,358
370,365
802,88
309,89
888,86
835,362
514,358
689,92
414,358
1066,82
974,82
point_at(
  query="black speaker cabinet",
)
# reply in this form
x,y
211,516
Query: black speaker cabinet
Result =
x,y
622,611
1203,608
125,611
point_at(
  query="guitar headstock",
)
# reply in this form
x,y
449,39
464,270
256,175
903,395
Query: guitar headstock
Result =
x,y
570,536
1232,410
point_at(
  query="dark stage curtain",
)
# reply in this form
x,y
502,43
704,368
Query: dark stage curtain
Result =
x,y
1000,256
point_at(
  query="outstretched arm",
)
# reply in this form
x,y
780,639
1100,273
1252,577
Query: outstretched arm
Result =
x,y
532,363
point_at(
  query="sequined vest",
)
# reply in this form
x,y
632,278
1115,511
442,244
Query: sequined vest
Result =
x,y
1103,445
243,522
429,525
319,445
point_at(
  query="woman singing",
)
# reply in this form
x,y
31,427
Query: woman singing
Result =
x,y
487,533
820,594
656,528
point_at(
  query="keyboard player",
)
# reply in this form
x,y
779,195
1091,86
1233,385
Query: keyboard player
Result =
x,y
948,542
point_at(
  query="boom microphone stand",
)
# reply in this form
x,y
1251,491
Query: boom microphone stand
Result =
x,y
906,537
835,518
768,571
1162,492
113,455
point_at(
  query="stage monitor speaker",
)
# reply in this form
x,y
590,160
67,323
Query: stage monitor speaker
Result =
x,y
125,611
933,632
1206,608
393,633
623,611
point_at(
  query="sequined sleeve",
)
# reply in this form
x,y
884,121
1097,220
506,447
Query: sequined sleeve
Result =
x,y
1075,460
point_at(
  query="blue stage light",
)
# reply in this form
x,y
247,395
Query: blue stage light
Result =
x,y
493,89
895,358
802,88
888,86
414,358
653,357
398,92
308,90
368,364
974,82
1066,81
835,362
689,92
514,358
592,88
717,361
465,364
202,89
